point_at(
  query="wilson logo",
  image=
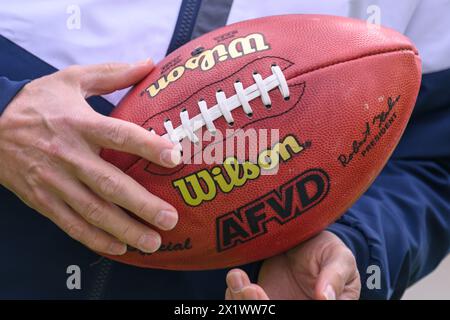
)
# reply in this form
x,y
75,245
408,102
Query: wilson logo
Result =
x,y
204,185
277,207
207,59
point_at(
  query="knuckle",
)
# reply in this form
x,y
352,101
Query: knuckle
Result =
x,y
82,234
108,67
118,135
347,255
41,144
341,273
56,149
76,231
65,122
128,234
95,212
41,199
72,71
144,210
34,173
87,123
109,185
62,153
38,174
96,243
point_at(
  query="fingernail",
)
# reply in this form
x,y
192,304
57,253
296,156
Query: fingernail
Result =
x,y
143,62
149,243
166,220
329,293
235,281
117,248
171,157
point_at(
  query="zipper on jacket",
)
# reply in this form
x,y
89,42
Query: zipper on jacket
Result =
x,y
185,24
100,280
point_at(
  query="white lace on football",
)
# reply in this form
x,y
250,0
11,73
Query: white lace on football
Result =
x,y
225,106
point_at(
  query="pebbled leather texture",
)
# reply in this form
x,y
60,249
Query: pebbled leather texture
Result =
x,y
352,89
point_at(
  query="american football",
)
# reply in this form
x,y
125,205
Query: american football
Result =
x,y
283,123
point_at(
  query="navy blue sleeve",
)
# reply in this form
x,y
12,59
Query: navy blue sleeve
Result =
x,y
17,64
402,223
8,90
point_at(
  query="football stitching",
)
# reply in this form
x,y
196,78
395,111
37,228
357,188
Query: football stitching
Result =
x,y
213,83
181,166
380,52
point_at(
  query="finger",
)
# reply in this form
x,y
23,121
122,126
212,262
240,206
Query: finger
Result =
x,y
353,290
240,287
237,279
77,228
228,294
108,77
253,292
106,216
262,295
249,292
337,270
114,186
128,137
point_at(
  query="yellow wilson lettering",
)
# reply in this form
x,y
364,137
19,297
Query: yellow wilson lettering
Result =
x,y
207,59
232,174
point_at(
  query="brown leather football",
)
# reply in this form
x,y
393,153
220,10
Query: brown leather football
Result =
x,y
318,102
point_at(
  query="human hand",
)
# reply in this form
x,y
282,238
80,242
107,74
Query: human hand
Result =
x,y
50,140
321,268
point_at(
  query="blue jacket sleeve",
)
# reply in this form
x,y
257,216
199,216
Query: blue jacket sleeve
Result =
x,y
401,224
8,90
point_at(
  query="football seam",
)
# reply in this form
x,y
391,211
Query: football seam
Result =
x,y
380,52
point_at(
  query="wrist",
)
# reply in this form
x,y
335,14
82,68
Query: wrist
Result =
x,y
9,90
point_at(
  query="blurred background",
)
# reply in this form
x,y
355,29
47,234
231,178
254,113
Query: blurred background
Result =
x,y
435,286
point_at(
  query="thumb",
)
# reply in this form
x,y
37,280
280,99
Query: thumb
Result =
x,y
108,77
337,270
